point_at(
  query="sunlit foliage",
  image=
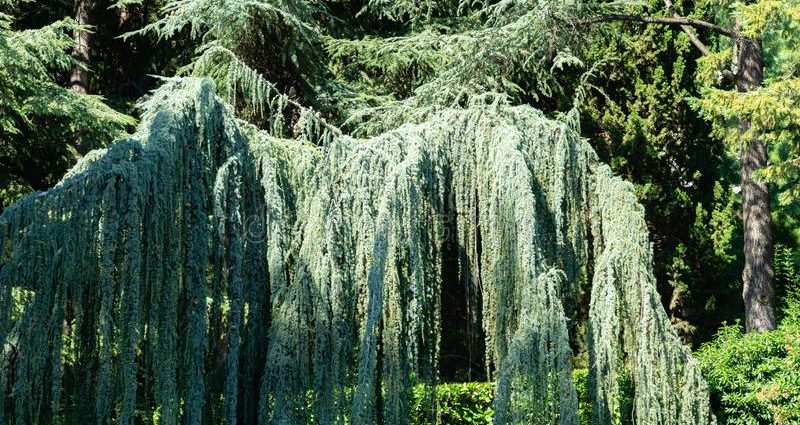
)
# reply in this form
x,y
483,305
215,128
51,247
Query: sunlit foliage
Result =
x,y
206,271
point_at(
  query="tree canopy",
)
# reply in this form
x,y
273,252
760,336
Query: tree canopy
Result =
x,y
41,122
241,272
322,210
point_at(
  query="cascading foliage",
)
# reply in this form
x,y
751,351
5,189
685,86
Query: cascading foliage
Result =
x,y
205,272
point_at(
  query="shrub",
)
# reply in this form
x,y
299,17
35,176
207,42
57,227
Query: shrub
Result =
x,y
755,378
471,402
581,379
458,403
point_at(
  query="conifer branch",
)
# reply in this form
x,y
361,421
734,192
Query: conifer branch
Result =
x,y
686,24
687,30
689,22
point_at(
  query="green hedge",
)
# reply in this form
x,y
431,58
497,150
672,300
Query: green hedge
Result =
x,y
471,402
754,380
458,403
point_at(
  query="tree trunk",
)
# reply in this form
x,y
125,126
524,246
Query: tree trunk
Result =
x,y
79,78
758,292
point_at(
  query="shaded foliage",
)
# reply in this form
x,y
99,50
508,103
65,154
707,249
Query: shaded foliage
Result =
x,y
43,126
643,127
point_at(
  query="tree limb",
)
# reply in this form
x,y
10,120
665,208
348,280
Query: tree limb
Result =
x,y
688,30
689,22
686,24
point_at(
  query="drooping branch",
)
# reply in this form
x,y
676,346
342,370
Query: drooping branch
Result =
x,y
312,276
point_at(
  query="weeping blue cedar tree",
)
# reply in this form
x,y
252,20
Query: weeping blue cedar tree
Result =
x,y
206,271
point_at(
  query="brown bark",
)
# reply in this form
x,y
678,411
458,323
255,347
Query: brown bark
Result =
x,y
79,78
758,292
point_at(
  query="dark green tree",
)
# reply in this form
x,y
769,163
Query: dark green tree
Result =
x,y
43,125
641,123
749,114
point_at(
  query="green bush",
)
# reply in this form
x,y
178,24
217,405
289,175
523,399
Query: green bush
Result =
x,y
471,402
581,379
458,403
755,378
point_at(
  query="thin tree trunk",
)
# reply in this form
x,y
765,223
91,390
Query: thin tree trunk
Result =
x,y
758,293
79,78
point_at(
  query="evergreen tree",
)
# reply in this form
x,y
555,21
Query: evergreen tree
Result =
x,y
244,259
371,79
764,108
43,125
746,24
204,271
641,125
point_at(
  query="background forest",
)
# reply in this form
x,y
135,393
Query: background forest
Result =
x,y
655,106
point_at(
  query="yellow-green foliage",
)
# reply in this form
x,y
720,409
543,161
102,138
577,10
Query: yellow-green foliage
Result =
x,y
470,403
770,110
709,67
773,112
754,378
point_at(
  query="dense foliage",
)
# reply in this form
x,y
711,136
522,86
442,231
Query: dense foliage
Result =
x,y
371,86
471,403
772,110
467,403
339,296
754,378
355,62
44,127
642,125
